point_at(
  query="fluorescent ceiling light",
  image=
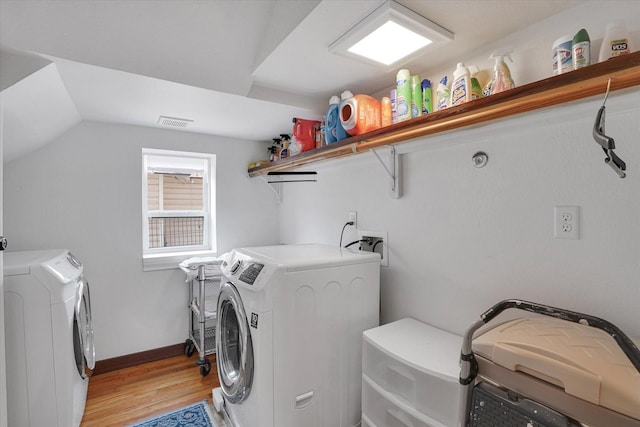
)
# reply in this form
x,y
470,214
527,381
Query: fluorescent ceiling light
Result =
x,y
381,45
391,35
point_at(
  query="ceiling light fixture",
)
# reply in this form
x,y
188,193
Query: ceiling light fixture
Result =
x,y
391,35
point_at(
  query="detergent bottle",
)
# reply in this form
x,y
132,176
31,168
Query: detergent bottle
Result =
x,y
360,114
461,86
616,41
443,95
304,133
501,75
333,130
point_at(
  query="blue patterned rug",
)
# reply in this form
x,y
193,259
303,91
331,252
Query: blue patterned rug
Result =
x,y
196,415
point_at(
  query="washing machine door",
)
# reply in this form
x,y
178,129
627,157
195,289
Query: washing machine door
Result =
x,y
83,346
234,348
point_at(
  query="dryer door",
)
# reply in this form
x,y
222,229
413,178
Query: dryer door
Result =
x,y
234,348
83,346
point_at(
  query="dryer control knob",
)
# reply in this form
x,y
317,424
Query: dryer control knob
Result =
x,y
236,266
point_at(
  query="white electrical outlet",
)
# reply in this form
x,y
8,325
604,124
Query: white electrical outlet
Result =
x,y
566,222
353,217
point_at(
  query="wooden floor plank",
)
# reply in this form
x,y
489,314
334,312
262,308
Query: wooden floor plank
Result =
x,y
125,396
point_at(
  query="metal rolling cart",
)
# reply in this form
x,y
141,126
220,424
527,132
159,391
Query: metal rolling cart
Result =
x,y
205,275
560,369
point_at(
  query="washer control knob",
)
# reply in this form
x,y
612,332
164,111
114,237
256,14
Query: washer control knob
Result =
x,y
3,243
236,266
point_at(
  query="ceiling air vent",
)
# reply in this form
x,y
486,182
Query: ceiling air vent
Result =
x,y
174,122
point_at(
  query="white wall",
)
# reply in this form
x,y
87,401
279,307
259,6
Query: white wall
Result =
x,y
83,192
462,238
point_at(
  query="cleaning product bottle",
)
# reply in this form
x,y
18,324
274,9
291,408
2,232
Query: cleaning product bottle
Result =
x,y
427,95
341,132
443,94
476,89
416,97
501,74
394,106
461,86
284,153
360,114
278,144
304,133
403,95
295,147
562,62
273,150
616,41
333,130
581,49
386,111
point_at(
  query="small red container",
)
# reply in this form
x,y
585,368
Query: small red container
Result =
x,y
304,132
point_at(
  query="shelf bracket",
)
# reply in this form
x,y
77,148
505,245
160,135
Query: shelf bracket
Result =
x,y
276,187
392,169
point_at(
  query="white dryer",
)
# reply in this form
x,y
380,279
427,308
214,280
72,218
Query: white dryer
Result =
x,y
49,338
289,341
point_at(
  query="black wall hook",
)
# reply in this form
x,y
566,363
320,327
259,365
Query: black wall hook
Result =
x,y
606,142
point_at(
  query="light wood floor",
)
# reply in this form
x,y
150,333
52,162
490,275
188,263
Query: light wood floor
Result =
x,y
128,395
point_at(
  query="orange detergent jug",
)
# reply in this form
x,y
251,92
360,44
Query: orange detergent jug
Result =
x,y
304,132
360,114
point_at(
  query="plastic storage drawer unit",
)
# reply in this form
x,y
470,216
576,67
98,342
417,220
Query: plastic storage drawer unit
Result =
x,y
414,366
386,410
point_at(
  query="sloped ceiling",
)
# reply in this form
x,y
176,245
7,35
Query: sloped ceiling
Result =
x,y
221,63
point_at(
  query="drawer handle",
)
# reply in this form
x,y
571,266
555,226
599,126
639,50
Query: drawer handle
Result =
x,y
304,400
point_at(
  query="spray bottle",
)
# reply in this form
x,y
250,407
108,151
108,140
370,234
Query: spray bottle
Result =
x,y
284,153
443,94
501,75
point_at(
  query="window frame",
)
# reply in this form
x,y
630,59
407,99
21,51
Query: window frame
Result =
x,y
170,257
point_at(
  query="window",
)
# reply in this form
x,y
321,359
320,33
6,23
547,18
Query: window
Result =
x,y
178,206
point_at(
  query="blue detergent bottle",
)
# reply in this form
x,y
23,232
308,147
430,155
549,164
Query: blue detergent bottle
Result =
x,y
331,119
333,130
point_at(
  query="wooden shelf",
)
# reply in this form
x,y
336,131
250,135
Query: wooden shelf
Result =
x,y
624,72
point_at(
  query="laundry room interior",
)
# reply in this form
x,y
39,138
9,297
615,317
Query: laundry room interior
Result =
x,y
468,208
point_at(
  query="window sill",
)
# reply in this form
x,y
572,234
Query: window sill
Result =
x,y
169,261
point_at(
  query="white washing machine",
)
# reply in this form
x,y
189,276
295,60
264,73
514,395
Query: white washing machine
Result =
x,y
49,338
289,341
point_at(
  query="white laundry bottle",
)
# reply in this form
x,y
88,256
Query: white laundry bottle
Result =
x,y
461,86
616,41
